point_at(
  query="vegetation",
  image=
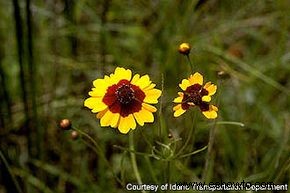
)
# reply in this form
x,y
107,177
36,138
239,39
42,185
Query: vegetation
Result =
x,y
51,51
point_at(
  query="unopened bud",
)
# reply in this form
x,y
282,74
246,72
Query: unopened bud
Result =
x,y
184,48
74,135
222,74
65,124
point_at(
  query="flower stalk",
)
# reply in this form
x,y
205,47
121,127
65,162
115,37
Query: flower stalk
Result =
x,y
133,160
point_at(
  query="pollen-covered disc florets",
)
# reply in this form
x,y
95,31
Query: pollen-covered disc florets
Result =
x,y
194,94
121,100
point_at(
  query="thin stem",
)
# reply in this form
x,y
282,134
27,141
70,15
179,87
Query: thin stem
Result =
x,y
100,152
9,170
210,142
209,151
194,152
230,123
190,63
147,159
133,160
160,130
188,136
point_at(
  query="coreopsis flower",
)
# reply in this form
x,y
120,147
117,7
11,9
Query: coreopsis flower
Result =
x,y
184,48
121,100
195,94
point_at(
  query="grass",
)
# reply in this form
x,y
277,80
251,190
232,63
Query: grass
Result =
x,y
51,51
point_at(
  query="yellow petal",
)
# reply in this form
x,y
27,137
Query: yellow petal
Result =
x,y
144,116
178,99
115,120
211,88
214,107
142,82
101,113
176,107
122,73
97,93
149,107
109,80
96,104
126,123
211,113
119,74
135,78
151,96
138,118
196,78
184,84
99,83
100,89
106,118
110,119
206,98
131,121
152,85
178,110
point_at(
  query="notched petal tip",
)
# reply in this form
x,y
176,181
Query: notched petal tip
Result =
x,y
196,78
184,84
211,113
211,88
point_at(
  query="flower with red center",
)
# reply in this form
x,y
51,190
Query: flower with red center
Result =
x,y
194,94
120,100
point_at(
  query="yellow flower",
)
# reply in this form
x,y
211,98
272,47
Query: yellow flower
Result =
x,y
120,100
194,94
184,48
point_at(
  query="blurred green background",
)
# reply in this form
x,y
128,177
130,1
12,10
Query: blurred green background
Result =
x,y
52,50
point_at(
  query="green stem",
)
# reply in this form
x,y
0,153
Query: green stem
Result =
x,y
160,130
230,123
194,152
147,159
190,63
133,160
211,141
209,152
188,137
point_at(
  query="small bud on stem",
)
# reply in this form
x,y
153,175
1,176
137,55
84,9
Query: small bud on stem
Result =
x,y
65,124
184,48
74,135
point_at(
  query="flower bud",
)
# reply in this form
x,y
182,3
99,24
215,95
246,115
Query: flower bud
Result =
x,y
222,74
65,124
74,135
184,48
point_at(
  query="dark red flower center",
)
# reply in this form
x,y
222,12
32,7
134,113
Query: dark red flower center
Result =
x,y
124,98
193,94
125,94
